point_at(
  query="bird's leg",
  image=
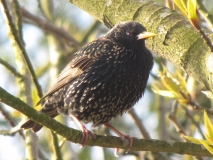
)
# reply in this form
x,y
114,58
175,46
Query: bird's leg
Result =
x,y
122,136
85,132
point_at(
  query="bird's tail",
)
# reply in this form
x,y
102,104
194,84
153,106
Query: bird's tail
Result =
x,y
47,109
31,124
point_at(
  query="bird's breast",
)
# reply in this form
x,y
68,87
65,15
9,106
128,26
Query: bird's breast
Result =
x,y
109,87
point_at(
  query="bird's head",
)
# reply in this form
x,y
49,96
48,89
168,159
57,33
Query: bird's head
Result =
x,y
129,33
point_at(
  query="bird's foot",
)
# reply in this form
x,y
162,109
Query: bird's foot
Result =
x,y
130,143
122,136
85,135
85,132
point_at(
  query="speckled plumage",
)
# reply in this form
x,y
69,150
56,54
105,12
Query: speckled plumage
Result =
x,y
105,79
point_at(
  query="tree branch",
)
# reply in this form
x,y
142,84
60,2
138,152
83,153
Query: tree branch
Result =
x,y
22,60
207,16
49,27
103,141
139,124
11,122
177,40
11,68
11,132
56,146
18,44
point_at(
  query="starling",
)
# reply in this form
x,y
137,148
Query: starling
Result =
x,y
105,79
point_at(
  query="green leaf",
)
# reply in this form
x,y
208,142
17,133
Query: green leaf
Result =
x,y
181,5
206,143
208,125
193,14
192,9
208,147
209,139
182,82
165,93
167,73
170,84
191,139
158,85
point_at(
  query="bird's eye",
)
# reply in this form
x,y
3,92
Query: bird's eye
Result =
x,y
129,34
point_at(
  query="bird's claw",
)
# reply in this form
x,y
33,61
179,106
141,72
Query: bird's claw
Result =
x,y
85,136
129,147
116,151
130,142
85,132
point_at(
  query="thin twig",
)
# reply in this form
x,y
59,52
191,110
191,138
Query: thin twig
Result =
x,y
18,19
208,17
11,68
6,116
90,31
194,122
207,39
139,124
173,118
200,108
49,27
56,146
19,44
11,132
10,120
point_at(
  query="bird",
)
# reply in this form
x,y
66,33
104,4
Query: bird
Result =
x,y
105,79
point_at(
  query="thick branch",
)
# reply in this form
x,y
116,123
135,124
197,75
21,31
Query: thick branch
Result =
x,y
103,141
177,40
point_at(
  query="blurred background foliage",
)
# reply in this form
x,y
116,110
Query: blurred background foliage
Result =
x,y
164,117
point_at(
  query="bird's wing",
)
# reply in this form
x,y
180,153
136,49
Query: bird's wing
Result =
x,y
83,59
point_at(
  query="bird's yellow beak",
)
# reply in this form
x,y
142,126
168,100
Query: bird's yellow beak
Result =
x,y
146,35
